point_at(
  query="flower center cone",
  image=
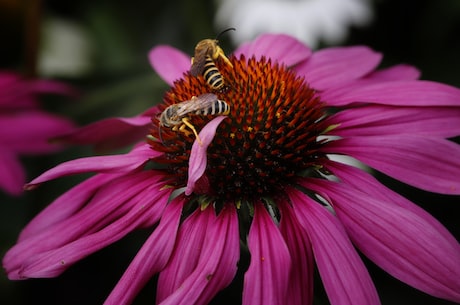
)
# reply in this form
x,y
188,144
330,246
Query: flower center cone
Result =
x,y
269,138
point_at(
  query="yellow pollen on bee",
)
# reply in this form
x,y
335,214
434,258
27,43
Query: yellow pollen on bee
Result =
x,y
182,128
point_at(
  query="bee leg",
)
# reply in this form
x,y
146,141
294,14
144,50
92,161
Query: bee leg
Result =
x,y
182,128
189,125
220,53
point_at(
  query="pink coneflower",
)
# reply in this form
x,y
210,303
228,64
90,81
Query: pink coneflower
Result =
x,y
25,129
266,175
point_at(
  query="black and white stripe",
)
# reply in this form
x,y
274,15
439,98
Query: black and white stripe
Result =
x,y
212,75
218,107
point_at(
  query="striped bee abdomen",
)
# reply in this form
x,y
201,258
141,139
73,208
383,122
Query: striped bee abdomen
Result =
x,y
212,75
218,107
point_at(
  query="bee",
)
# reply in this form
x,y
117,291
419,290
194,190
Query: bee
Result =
x,y
178,115
207,51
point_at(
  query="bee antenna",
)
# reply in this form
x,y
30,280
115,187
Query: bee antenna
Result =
x,y
224,31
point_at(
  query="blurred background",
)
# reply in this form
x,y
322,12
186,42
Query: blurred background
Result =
x,y
101,47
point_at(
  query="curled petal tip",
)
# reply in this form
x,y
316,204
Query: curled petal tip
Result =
x,y
30,186
198,158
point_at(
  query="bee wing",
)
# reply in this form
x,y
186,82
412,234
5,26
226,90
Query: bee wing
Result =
x,y
196,103
199,61
206,99
203,49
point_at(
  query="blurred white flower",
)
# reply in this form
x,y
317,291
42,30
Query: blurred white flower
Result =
x,y
65,49
310,21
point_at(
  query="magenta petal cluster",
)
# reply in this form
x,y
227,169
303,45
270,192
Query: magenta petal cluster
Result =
x,y
25,128
387,119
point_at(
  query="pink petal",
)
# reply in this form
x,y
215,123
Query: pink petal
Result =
x,y
110,133
16,92
190,240
398,72
35,126
50,263
375,120
19,92
107,164
198,159
217,263
7,79
397,93
266,280
334,67
428,163
9,82
51,86
300,285
390,234
151,258
66,205
364,181
278,47
12,176
107,208
344,275
169,63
